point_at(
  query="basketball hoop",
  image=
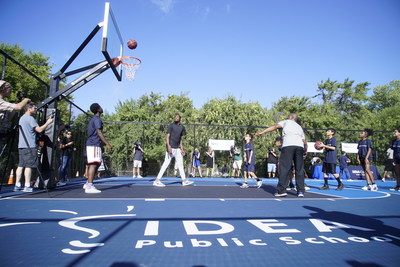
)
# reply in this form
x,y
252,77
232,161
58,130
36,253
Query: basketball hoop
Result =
x,y
130,65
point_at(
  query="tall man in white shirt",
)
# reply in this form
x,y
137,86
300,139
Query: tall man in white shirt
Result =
x,y
293,147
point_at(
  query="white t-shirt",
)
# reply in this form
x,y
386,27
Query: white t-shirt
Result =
x,y
292,133
389,153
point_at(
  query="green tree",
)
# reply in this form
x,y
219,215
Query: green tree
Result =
x,y
21,81
386,96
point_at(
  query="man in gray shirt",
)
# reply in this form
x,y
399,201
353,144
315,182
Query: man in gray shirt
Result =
x,y
27,152
293,147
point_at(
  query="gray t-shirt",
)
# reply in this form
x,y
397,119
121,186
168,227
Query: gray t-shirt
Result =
x,y
28,125
292,133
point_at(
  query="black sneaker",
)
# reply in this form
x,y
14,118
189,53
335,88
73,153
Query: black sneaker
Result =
x,y
340,187
325,187
280,194
397,188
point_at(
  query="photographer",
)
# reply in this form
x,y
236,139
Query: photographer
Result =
x,y
137,159
236,155
67,148
272,160
27,150
6,109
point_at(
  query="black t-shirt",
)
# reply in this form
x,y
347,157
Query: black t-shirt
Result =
x,y
272,158
67,151
176,132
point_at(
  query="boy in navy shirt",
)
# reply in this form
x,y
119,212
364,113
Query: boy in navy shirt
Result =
x,y
249,156
364,158
343,160
329,164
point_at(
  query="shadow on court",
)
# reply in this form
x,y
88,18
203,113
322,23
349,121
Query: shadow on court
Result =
x,y
360,226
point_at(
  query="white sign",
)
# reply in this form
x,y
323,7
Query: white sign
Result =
x,y
350,147
221,144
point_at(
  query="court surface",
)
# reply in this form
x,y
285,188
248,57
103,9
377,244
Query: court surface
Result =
x,y
213,223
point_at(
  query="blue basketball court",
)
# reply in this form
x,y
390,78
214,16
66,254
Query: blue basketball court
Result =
x,y
213,223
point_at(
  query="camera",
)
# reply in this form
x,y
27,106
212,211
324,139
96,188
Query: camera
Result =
x,y
20,96
137,144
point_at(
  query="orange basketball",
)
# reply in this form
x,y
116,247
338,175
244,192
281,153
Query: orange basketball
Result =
x,y
317,145
132,44
116,62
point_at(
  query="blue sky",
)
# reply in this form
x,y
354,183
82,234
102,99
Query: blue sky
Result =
x,y
255,50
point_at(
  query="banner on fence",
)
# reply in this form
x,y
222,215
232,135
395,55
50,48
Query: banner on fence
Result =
x,y
350,147
217,144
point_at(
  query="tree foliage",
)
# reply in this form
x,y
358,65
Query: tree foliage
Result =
x,y
39,65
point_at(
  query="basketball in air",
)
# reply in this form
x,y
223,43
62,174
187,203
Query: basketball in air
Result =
x,y
132,44
318,145
116,61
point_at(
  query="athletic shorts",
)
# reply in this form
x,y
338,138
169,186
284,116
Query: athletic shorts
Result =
x,y
329,168
137,164
28,157
389,165
363,162
237,164
94,155
249,168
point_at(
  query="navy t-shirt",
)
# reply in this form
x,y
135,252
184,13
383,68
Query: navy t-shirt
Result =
x,y
93,138
330,154
176,132
248,147
343,161
396,150
363,147
138,155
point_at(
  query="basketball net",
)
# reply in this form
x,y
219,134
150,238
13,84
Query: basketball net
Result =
x,y
130,65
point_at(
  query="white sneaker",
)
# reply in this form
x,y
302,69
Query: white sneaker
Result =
x,y
85,186
133,176
61,184
187,182
306,188
27,189
244,185
367,187
259,183
374,187
158,183
139,176
383,180
92,190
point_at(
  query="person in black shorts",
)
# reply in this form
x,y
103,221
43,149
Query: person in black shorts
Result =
x,y
329,163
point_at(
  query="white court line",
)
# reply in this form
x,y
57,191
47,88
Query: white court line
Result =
x,y
154,199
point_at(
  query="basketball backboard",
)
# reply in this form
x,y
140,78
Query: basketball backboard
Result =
x,y
111,43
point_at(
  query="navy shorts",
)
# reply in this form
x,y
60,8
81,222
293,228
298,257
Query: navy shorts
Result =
x,y
249,168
